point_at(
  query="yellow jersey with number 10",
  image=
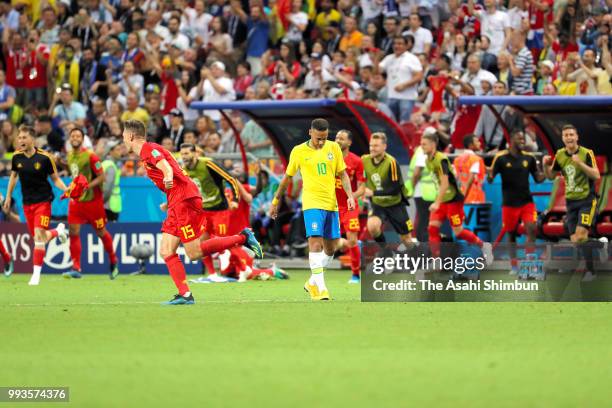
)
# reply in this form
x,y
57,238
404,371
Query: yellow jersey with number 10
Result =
x,y
319,168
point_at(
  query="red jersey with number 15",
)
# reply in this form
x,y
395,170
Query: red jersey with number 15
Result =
x,y
183,187
354,169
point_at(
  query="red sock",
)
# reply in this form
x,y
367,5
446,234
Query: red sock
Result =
x,y
208,263
355,254
434,239
220,244
5,255
53,233
107,241
469,236
39,255
75,252
3,252
514,263
177,272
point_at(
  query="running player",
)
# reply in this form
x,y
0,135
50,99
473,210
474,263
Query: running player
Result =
x,y
578,166
449,202
515,166
33,166
385,186
210,180
89,208
349,220
185,218
320,162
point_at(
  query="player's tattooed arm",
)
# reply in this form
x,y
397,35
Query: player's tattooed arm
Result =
x,y
280,193
166,169
346,185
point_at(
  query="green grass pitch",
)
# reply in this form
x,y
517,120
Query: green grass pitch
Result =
x,y
265,344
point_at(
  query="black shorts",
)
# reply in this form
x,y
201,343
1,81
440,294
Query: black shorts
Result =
x,y
111,216
580,213
396,215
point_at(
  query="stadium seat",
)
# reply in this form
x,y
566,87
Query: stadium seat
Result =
x,y
553,220
603,227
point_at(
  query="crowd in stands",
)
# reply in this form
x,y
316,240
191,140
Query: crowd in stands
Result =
x,y
96,63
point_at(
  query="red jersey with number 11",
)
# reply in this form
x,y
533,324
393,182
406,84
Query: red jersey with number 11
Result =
x,y
354,169
183,187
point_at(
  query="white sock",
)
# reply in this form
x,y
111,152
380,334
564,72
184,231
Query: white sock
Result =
x,y
317,262
35,279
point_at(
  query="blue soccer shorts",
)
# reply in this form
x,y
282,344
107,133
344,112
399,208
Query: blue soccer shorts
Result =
x,y
322,223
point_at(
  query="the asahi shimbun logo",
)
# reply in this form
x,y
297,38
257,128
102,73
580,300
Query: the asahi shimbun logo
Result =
x,y
58,255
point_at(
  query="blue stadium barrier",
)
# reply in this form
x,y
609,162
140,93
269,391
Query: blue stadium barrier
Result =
x,y
141,200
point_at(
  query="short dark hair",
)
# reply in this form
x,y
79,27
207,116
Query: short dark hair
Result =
x,y
370,95
189,146
349,134
379,136
569,126
77,129
320,124
136,127
468,140
27,129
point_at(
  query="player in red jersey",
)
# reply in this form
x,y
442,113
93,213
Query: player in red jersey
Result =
x,y
9,264
349,219
32,166
89,207
185,218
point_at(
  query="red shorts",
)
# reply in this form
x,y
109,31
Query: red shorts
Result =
x,y
37,215
452,211
88,212
349,220
216,222
511,216
185,220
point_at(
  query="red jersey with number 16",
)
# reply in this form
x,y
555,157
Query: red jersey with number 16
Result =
x,y
354,169
183,187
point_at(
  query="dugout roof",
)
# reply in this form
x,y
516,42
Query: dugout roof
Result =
x,y
287,122
592,116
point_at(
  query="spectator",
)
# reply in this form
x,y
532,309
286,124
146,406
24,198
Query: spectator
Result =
x,y
458,51
204,126
228,140
286,69
257,41
177,130
216,88
244,79
549,90
351,37
98,126
176,38
545,76
256,141
48,27
132,82
195,21
7,97
220,44
475,76
48,138
588,75
68,112
134,111
488,60
168,144
504,73
334,34
298,21
422,36
404,72
371,99
8,134
213,144
132,52
391,30
495,24
521,66
563,84
326,16
488,126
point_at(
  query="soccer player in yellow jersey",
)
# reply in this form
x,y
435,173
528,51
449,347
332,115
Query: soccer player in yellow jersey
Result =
x,y
319,161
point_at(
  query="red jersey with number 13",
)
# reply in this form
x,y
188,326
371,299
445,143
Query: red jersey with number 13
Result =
x,y
354,169
183,187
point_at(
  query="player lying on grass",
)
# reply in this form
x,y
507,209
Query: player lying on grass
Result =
x,y
449,202
515,166
577,164
320,162
33,167
89,207
185,217
349,220
236,263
